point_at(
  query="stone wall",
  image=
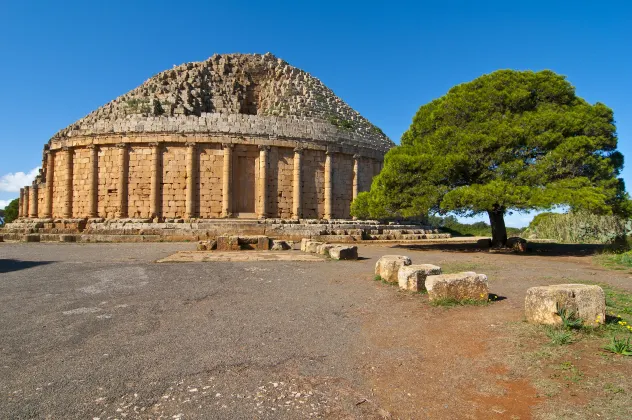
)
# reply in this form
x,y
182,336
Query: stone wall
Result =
x,y
211,164
81,182
108,180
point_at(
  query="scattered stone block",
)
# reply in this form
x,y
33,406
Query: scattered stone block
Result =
x,y
517,244
388,266
586,302
209,245
460,286
344,253
413,277
312,246
484,243
279,245
304,244
324,249
228,243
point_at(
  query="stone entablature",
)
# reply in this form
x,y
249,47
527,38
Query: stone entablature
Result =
x,y
288,128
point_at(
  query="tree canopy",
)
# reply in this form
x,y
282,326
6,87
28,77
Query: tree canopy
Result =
x,y
509,140
11,211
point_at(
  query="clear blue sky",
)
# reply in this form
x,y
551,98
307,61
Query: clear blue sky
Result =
x,y
61,60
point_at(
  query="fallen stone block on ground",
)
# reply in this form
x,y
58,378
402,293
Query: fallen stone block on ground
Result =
x,y
343,253
388,266
280,245
413,277
458,287
312,246
517,244
543,304
324,249
208,245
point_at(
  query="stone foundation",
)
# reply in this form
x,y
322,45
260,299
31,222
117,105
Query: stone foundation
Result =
x,y
177,230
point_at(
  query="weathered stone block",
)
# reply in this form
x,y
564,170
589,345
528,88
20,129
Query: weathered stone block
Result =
x,y
228,243
587,302
388,266
312,246
324,249
484,243
67,238
460,286
343,253
278,245
517,244
413,277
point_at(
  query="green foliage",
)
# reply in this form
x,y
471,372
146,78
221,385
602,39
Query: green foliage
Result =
x,y
619,346
570,320
508,140
579,227
559,336
341,123
450,302
11,211
452,225
360,206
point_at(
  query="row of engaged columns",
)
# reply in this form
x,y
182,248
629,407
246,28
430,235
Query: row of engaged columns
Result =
x,y
28,206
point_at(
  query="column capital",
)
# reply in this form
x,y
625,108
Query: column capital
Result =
x,y
121,145
357,156
190,144
66,148
329,152
264,147
92,146
153,144
228,145
299,149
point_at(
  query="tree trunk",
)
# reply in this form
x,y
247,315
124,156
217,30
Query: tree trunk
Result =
x,y
497,222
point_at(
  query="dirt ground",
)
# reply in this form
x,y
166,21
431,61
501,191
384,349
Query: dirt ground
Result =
x,y
278,339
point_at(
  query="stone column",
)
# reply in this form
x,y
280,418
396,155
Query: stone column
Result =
x,y
296,185
25,206
21,203
67,213
155,210
356,175
263,181
33,201
48,198
122,184
328,184
93,182
227,199
191,174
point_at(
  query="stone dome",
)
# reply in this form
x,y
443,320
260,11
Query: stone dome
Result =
x,y
251,94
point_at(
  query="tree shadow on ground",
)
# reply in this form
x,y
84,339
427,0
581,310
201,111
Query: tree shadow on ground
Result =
x,y
8,265
533,249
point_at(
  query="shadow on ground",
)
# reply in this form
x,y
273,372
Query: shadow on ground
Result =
x,y
533,249
8,265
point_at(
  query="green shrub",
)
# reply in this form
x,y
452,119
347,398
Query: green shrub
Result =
x,y
578,227
619,346
558,336
360,206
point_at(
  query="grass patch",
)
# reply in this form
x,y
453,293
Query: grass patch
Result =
x,y
619,346
559,337
450,302
615,261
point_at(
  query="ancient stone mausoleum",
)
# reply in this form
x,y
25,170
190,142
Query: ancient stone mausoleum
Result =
x,y
235,136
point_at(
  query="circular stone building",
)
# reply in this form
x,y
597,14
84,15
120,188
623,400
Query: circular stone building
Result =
x,y
238,135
